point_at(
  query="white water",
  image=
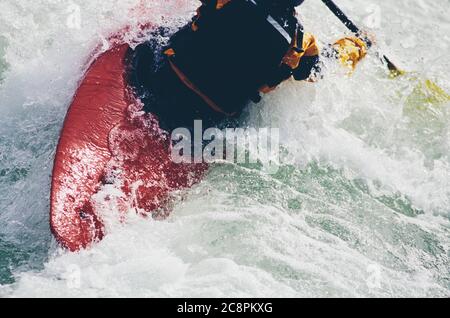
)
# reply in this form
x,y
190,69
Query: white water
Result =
x,y
362,211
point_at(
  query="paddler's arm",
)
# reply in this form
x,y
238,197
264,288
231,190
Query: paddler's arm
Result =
x,y
301,61
308,67
349,51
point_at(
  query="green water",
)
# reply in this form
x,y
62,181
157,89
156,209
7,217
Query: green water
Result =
x,y
342,207
11,258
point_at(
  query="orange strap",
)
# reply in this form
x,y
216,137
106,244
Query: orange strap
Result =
x,y
195,89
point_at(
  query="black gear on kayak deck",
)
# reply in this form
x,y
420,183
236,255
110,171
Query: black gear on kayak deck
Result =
x,y
163,93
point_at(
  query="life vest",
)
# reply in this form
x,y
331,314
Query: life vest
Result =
x,y
232,54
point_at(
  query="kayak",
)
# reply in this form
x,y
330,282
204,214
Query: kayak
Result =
x,y
108,140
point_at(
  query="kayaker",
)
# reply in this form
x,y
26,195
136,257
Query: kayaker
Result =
x,y
232,52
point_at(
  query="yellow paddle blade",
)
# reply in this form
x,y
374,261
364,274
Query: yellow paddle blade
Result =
x,y
426,103
427,94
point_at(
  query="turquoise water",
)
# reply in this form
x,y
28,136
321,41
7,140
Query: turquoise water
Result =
x,y
359,206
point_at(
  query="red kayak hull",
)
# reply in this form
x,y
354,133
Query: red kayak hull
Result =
x,y
105,139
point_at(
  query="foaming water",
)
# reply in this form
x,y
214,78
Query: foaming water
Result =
x,y
358,208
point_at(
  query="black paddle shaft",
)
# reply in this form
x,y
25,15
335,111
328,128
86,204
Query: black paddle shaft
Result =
x,y
352,27
343,17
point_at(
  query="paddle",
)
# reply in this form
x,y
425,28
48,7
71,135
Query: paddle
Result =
x,y
352,27
427,89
